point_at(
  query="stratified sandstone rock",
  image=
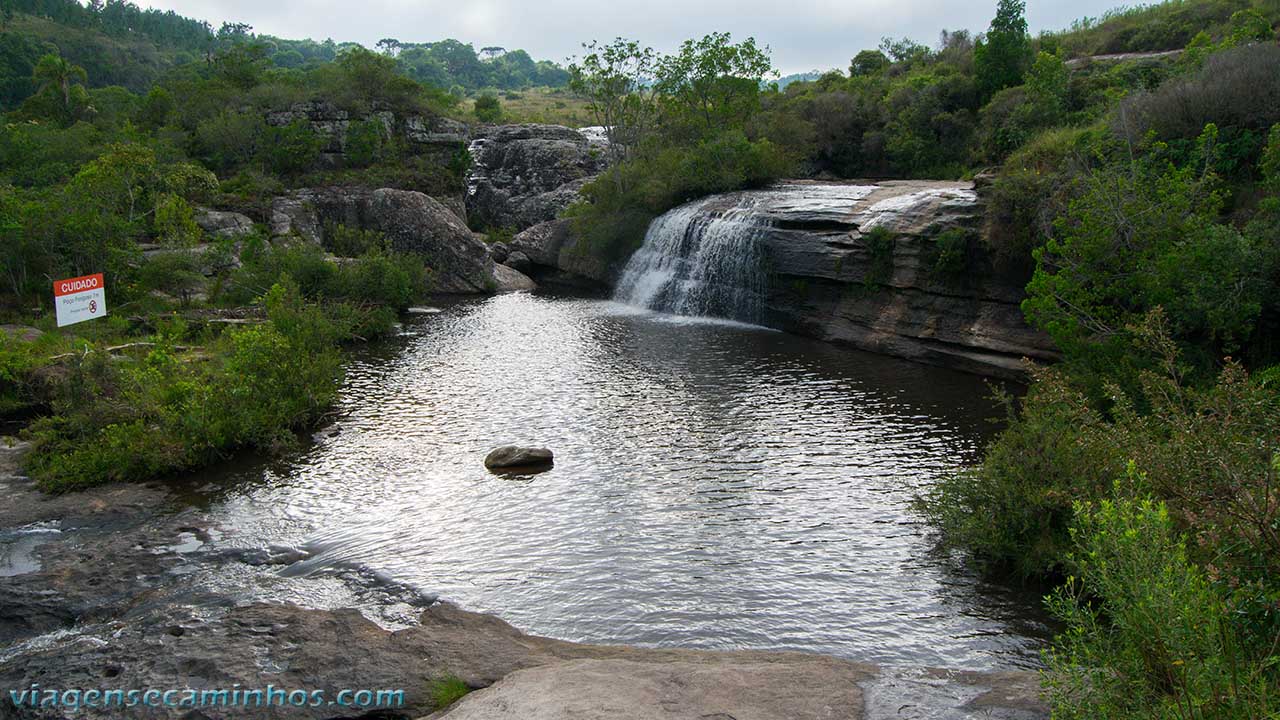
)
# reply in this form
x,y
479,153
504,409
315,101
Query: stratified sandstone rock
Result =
x,y
427,134
522,175
825,282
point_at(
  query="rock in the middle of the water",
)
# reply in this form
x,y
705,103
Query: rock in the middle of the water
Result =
x,y
514,456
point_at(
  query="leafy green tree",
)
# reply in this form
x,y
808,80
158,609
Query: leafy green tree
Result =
x,y
868,62
1143,235
1000,59
615,80
157,108
61,82
712,84
242,64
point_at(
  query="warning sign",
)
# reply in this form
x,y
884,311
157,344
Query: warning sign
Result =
x,y
79,299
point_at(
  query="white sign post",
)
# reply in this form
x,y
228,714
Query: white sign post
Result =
x,y
79,299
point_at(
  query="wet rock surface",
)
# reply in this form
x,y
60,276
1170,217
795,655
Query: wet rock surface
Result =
x,y
510,456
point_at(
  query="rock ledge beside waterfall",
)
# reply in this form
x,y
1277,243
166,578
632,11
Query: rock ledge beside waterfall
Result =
x,y
828,273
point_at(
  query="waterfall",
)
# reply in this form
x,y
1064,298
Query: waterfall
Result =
x,y
700,261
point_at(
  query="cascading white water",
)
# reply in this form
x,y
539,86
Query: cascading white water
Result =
x,y
698,261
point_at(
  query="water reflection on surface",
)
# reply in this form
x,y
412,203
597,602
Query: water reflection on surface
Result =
x,y
715,485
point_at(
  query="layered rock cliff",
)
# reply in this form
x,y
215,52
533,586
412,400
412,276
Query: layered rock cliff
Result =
x,y
894,267
424,133
864,265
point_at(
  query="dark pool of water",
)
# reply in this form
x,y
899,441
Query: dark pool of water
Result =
x,y
715,485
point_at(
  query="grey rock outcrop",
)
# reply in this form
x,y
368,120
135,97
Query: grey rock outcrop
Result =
x,y
829,282
223,223
559,258
411,221
519,261
510,279
21,333
522,175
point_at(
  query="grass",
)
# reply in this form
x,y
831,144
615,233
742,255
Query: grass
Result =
x,y
536,105
446,691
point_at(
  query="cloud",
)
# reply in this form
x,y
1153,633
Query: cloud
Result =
x,y
804,34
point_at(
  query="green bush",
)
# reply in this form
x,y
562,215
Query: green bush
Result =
x,y
951,253
165,413
488,109
291,148
365,143
1148,635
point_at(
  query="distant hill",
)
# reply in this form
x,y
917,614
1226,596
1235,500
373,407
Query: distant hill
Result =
x,y
810,76
119,43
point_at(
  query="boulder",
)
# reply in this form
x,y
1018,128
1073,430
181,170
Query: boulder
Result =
x,y
522,175
411,221
558,257
500,251
508,279
514,456
519,261
416,223
223,223
21,333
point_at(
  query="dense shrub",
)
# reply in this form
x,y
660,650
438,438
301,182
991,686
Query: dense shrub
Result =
x,y
1148,631
488,109
166,412
1238,87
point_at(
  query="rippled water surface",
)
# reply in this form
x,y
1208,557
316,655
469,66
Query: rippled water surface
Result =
x,y
715,485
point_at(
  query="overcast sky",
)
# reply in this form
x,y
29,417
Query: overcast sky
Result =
x,y
804,34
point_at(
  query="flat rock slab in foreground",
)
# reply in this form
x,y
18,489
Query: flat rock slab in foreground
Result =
x,y
746,686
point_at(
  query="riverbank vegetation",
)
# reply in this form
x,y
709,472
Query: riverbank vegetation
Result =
x,y
1142,473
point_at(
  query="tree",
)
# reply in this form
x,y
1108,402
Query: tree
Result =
x,y
713,84
615,80
242,64
62,81
1000,59
491,52
157,108
389,46
868,62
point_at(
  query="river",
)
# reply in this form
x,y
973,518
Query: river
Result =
x,y
716,485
